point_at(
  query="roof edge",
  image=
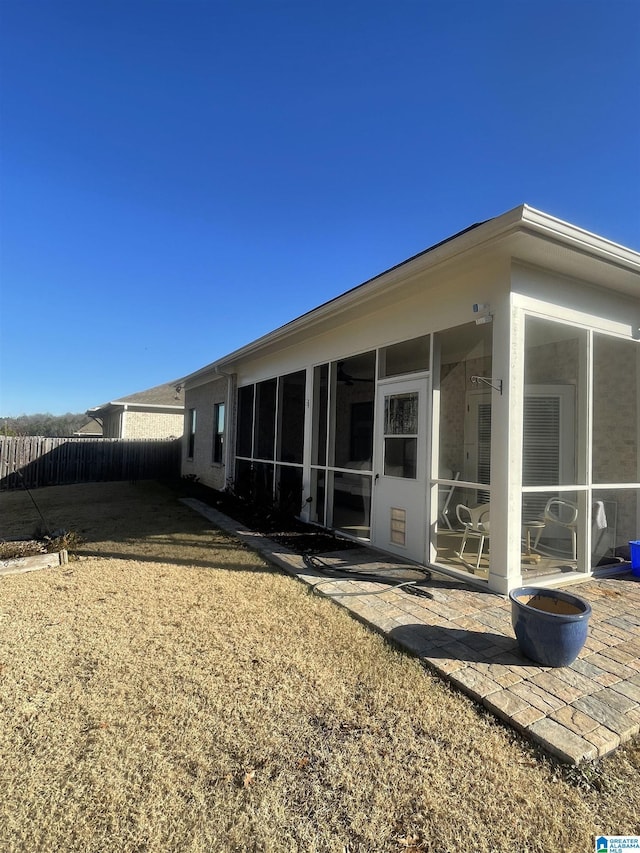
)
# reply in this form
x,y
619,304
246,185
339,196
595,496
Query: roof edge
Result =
x,y
545,223
116,403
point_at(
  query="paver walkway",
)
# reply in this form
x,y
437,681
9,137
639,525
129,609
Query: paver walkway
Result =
x,y
577,713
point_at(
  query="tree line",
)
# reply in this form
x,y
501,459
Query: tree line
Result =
x,y
50,426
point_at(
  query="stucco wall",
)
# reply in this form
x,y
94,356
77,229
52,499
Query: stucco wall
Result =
x,y
203,399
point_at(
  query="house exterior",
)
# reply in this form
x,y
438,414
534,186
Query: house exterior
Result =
x,y
474,409
155,413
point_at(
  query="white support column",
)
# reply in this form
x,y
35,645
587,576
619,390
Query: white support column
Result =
x,y
638,432
434,451
308,440
585,445
505,571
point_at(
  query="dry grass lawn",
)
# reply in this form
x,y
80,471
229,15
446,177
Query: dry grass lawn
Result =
x,y
171,692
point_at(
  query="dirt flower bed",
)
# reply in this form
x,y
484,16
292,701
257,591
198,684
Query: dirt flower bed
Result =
x,y
14,548
22,548
170,691
278,526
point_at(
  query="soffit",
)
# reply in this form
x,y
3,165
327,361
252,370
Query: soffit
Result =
x,y
576,262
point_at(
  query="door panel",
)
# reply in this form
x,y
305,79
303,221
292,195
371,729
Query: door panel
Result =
x,y
399,520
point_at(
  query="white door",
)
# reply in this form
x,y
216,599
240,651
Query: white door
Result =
x,y
400,493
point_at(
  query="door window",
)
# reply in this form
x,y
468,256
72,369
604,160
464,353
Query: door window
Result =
x,y
401,435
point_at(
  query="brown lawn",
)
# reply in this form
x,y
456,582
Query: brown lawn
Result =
x,y
169,691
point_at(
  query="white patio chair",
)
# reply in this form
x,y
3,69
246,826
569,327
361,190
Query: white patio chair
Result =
x,y
445,494
564,513
475,521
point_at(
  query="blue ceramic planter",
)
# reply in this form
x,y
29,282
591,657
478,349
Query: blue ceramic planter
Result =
x,y
550,625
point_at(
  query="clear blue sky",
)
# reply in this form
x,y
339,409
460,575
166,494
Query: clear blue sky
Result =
x,y
178,178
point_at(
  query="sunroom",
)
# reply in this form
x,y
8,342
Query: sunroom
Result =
x,y
475,409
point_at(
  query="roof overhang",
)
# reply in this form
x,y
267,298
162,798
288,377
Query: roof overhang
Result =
x,y
123,404
522,234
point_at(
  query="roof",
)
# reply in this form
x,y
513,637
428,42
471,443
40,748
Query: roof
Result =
x,y
169,395
91,428
576,252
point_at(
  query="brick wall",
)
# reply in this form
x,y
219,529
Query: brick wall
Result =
x,y
153,424
203,400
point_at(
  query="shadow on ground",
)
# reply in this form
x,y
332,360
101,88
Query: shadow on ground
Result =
x,y
434,642
142,521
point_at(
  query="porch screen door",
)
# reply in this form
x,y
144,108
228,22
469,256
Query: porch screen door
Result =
x,y
399,495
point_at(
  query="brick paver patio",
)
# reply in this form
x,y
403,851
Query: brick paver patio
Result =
x,y
577,713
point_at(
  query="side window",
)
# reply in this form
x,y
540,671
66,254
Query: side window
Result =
x,y
191,435
218,432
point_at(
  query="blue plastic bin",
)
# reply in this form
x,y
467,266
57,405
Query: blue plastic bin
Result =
x,y
635,557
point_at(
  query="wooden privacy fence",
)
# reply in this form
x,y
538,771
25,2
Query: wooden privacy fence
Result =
x,y
34,461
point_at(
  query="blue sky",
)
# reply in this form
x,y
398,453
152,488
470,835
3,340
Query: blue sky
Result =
x,y
178,178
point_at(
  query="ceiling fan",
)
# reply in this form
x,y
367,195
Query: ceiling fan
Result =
x,y
346,378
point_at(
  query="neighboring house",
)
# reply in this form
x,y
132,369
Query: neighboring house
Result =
x,y
499,368
92,429
155,413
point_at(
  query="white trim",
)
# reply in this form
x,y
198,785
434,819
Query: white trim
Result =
x,y
119,403
392,380
572,316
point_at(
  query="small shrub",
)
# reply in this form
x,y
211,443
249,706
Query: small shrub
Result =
x,y
68,540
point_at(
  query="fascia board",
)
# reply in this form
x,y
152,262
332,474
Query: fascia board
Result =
x,y
105,407
123,404
203,377
145,406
